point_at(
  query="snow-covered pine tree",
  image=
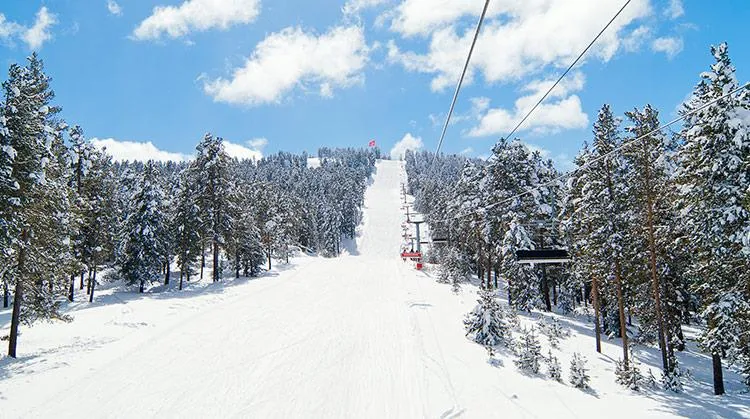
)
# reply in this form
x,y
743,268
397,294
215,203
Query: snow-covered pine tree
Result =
x,y
713,181
554,370
186,226
141,257
622,373
98,218
486,324
7,187
672,380
36,209
212,168
575,222
601,207
635,377
523,282
454,268
579,376
529,351
651,219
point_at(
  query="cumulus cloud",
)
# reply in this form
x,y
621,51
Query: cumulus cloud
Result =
x,y
241,152
524,37
136,151
353,7
561,110
675,9
8,29
114,8
37,34
420,17
145,151
196,15
668,45
293,58
408,142
257,143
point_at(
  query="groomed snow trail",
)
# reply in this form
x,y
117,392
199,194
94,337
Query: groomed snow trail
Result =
x,y
359,336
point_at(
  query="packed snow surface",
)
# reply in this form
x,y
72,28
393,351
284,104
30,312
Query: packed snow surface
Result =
x,y
360,336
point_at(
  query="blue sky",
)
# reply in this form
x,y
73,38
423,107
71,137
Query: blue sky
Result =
x,y
296,75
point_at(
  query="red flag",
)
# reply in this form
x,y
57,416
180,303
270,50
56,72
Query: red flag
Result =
x,y
372,143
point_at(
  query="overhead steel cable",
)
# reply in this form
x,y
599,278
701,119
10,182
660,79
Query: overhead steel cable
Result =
x,y
460,81
584,166
570,67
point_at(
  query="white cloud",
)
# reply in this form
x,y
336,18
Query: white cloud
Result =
x,y
196,15
136,151
408,142
8,29
522,38
635,40
144,151
675,9
241,152
257,143
668,45
38,34
353,7
467,150
421,17
292,59
114,8
565,113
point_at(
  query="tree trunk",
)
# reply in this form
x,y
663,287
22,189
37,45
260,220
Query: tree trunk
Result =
x,y
489,270
718,374
180,287
88,283
93,286
269,257
656,286
595,302
681,345
621,309
6,295
237,264
545,289
203,258
166,275
216,258
15,318
554,293
140,289
81,286
71,292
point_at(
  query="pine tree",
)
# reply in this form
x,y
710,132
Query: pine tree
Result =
x,y
579,376
186,226
601,207
35,209
672,380
652,218
713,181
486,324
523,282
212,168
554,370
145,229
454,268
529,352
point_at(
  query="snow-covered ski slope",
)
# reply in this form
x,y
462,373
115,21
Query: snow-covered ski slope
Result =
x,y
360,336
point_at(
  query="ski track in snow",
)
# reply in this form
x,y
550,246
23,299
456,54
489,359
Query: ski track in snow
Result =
x,y
360,336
